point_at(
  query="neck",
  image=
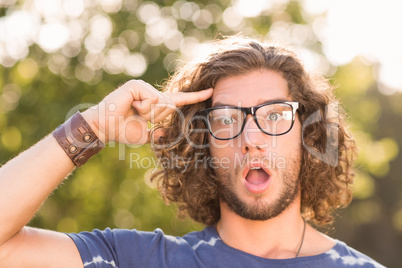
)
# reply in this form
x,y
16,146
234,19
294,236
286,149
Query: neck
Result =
x,y
276,238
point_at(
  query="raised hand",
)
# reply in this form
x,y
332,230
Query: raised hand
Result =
x,y
122,116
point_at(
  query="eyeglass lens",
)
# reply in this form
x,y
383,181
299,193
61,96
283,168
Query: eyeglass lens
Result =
x,y
272,119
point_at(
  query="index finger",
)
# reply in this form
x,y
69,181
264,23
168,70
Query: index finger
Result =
x,y
185,98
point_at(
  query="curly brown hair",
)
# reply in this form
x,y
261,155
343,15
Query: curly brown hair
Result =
x,y
328,151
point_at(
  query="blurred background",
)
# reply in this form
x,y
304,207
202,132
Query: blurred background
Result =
x,y
57,54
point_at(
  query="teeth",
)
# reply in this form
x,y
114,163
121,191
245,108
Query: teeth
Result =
x,y
253,168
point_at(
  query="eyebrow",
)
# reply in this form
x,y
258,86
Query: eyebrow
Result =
x,y
219,104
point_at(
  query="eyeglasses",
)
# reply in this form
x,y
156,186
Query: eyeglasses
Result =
x,y
273,118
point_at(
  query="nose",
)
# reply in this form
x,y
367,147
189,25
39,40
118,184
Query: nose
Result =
x,y
252,137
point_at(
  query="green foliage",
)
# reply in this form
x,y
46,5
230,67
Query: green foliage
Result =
x,y
37,91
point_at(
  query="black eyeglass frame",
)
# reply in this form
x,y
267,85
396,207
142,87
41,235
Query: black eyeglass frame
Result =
x,y
250,110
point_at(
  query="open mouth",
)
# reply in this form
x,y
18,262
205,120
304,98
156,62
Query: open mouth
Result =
x,y
256,178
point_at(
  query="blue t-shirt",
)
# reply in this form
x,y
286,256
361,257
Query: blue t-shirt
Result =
x,y
132,248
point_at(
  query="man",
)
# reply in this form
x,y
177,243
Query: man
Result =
x,y
262,148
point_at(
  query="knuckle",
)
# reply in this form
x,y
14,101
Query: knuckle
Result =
x,y
132,82
146,117
154,98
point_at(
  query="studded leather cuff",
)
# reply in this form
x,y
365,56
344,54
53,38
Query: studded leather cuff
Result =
x,y
77,139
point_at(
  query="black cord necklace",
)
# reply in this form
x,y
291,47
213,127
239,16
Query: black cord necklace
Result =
x,y
302,239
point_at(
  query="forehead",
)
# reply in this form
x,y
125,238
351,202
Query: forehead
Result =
x,y
250,89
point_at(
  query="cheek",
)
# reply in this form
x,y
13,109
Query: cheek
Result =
x,y
218,148
224,153
288,145
295,140
296,132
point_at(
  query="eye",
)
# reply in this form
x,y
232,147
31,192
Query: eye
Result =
x,y
225,117
227,120
275,116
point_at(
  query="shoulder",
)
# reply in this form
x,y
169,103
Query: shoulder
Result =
x,y
122,237
112,247
347,255
135,248
323,249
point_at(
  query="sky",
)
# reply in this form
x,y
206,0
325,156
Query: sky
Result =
x,y
346,28
350,28
370,28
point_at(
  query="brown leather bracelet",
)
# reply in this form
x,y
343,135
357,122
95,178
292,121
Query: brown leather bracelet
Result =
x,y
77,139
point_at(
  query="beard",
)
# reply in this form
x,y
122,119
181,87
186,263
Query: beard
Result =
x,y
260,209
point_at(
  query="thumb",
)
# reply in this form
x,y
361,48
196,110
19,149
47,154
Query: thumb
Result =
x,y
145,105
136,105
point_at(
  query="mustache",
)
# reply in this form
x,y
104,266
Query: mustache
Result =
x,y
268,161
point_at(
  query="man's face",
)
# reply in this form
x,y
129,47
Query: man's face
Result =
x,y
258,172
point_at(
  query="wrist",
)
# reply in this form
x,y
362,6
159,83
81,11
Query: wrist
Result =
x,y
78,139
91,117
